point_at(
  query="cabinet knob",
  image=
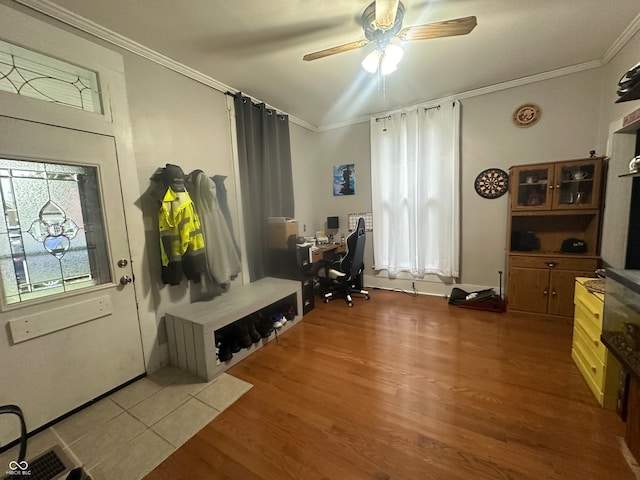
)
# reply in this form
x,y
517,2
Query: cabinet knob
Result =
x,y
550,187
551,264
596,343
545,292
558,186
553,293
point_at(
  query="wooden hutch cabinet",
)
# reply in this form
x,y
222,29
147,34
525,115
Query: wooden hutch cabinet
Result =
x,y
551,203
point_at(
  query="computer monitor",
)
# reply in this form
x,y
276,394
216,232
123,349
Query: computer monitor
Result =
x,y
333,222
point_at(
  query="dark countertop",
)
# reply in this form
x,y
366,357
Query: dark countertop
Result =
x,y
628,278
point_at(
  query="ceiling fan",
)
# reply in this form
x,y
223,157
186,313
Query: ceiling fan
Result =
x,y
382,23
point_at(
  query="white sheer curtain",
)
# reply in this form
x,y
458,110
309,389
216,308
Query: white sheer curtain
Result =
x,y
414,185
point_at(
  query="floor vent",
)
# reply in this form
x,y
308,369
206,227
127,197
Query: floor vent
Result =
x,y
50,465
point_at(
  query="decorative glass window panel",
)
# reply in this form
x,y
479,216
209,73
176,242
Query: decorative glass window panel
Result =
x,y
34,75
52,239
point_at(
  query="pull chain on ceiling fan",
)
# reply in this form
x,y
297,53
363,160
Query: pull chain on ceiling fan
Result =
x,y
382,23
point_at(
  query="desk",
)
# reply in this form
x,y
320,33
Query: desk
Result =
x,y
327,251
293,263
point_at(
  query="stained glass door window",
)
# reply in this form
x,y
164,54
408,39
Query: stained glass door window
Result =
x,y
52,239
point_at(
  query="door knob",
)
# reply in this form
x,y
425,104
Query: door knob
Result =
x,y
125,280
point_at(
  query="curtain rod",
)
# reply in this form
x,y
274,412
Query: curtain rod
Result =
x,y
270,109
388,117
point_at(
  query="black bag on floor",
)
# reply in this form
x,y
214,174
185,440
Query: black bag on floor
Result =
x,y
459,296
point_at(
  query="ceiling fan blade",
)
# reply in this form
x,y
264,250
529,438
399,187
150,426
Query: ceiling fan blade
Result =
x,y
447,28
333,50
386,13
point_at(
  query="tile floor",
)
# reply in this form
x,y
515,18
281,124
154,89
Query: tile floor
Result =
x,y
127,434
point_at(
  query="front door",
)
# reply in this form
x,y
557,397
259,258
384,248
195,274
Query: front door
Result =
x,y
68,306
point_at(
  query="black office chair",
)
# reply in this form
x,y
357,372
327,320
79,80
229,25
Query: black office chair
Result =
x,y
345,274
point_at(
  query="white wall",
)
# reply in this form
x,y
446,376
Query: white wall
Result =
x,y
348,145
179,121
568,129
305,148
621,149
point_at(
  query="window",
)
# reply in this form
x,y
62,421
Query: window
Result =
x,y
31,74
52,239
414,186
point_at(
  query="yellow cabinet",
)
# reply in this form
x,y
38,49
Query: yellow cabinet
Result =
x,y
598,367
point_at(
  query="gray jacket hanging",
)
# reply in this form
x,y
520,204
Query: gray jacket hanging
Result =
x,y
223,261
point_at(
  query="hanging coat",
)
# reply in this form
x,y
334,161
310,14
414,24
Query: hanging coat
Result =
x,y
181,240
221,195
223,261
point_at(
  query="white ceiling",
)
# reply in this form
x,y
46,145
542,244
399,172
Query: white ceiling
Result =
x,y
256,46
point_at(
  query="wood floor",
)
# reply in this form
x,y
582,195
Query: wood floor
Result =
x,y
409,388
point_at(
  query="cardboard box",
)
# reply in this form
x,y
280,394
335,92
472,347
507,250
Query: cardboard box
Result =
x,y
279,234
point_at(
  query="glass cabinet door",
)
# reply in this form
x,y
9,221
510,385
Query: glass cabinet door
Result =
x,y
577,185
531,189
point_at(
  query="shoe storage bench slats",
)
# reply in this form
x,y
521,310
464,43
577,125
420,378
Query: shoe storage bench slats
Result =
x,y
190,329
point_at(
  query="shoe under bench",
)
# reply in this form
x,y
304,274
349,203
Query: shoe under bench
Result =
x,y
190,328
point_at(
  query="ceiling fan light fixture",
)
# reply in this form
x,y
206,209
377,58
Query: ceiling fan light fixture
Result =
x,y
386,60
372,61
387,68
392,54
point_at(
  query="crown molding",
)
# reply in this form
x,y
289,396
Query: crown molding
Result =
x,y
477,92
626,35
77,21
539,77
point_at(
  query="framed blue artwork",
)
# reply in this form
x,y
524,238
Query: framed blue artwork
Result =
x,y
344,179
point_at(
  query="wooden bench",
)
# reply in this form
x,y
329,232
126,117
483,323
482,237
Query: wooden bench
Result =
x,y
190,329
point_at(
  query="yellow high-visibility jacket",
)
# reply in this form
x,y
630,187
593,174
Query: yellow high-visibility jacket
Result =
x,y
181,240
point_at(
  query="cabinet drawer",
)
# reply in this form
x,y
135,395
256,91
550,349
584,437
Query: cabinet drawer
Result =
x,y
586,374
590,303
593,365
590,333
308,304
592,320
557,263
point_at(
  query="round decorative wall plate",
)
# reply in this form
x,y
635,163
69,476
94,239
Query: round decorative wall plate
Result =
x,y
526,115
492,183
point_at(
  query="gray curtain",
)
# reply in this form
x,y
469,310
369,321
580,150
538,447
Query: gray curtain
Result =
x,y
266,180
